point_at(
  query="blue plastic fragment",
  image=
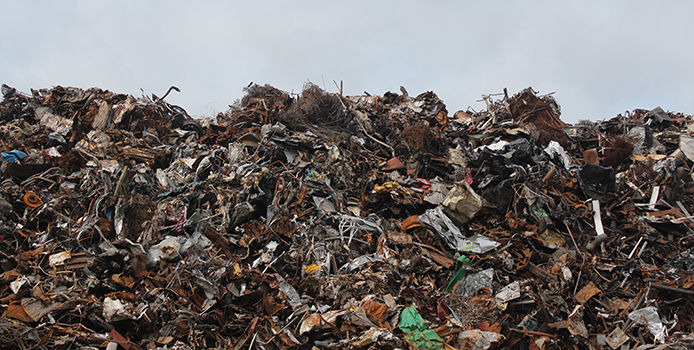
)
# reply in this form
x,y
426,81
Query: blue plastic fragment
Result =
x,y
13,156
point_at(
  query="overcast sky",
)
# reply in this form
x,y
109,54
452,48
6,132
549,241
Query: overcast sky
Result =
x,y
601,58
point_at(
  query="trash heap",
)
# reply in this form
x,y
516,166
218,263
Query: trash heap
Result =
x,y
323,221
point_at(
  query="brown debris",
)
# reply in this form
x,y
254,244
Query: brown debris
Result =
x,y
526,107
328,221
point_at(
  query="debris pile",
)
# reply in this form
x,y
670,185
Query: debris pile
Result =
x,y
326,221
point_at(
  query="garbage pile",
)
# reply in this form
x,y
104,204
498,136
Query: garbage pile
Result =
x,y
324,221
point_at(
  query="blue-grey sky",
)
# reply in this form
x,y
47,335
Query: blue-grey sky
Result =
x,y
601,57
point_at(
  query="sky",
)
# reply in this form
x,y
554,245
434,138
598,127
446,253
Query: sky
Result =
x,y
600,58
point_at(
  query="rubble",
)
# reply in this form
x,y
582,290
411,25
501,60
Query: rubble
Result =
x,y
326,221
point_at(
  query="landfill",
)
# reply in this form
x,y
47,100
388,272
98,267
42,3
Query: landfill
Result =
x,y
325,221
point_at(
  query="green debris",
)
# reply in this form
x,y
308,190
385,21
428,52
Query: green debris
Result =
x,y
178,190
538,211
417,332
460,272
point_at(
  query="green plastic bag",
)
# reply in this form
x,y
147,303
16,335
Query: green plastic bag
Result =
x,y
460,272
417,332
